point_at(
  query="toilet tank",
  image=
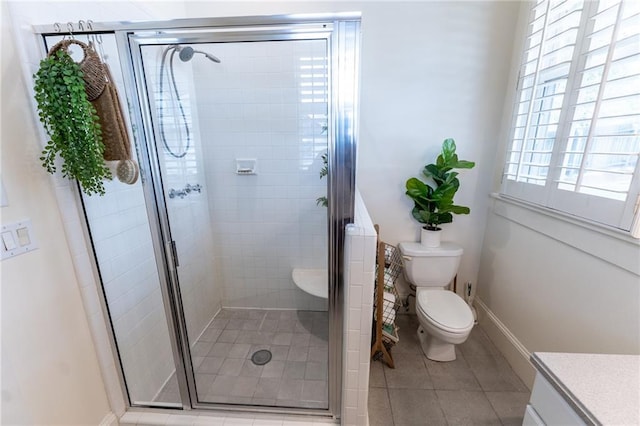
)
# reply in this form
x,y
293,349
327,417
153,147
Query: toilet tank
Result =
x,y
430,266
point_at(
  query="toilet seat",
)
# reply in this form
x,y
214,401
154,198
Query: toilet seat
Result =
x,y
445,310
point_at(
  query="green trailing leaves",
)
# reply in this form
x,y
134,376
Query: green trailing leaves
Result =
x,y
71,122
324,171
433,203
325,168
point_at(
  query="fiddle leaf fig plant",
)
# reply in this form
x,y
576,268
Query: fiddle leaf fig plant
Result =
x,y
71,122
433,201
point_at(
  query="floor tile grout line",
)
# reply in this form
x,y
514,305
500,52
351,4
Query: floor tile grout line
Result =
x,y
393,420
386,388
444,415
492,407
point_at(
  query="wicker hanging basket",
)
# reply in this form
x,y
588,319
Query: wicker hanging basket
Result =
x,y
93,71
114,132
117,145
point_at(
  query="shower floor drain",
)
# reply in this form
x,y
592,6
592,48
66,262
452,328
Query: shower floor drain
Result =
x,y
261,357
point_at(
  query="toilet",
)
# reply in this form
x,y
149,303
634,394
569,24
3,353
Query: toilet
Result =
x,y
445,319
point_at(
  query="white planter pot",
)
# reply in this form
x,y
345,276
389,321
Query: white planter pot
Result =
x,y
430,238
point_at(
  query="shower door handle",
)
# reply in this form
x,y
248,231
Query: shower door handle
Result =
x,y
172,253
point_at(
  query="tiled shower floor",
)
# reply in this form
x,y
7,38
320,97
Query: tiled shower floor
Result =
x,y
296,376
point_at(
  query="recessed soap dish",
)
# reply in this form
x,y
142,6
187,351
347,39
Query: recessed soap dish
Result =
x,y
246,166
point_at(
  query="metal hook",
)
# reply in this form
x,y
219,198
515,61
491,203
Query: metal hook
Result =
x,y
57,27
81,29
100,48
70,29
90,37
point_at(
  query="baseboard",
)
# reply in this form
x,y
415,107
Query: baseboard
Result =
x,y
512,349
109,420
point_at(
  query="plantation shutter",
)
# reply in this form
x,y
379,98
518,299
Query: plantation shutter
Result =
x,y
576,126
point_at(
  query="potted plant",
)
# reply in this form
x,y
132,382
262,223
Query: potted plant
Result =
x,y
70,121
433,201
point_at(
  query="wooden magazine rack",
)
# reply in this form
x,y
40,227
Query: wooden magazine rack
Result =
x,y
386,301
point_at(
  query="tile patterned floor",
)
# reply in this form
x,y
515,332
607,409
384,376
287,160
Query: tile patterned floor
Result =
x,y
478,388
296,376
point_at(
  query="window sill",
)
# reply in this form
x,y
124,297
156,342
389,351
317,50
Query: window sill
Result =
x,y
608,244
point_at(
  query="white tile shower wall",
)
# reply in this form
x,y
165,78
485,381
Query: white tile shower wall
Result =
x,y
360,257
190,229
188,215
265,101
122,240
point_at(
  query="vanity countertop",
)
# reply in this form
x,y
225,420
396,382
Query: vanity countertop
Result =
x,y
602,389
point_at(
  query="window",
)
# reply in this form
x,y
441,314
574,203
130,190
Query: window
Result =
x,y
575,136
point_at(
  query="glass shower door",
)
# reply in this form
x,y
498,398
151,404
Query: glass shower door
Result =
x,y
241,137
130,282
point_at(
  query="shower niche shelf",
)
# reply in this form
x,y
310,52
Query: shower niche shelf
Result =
x,y
246,166
312,281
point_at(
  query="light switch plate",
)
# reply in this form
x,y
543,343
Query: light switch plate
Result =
x,y
8,241
17,238
23,236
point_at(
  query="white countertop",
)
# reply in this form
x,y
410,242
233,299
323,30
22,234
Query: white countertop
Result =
x,y
603,389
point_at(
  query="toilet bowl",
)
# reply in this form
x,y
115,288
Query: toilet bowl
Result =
x,y
445,319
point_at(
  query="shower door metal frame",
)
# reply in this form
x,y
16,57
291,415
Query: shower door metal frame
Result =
x,y
342,37
342,31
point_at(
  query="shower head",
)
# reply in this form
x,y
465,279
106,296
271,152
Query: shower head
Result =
x,y
186,54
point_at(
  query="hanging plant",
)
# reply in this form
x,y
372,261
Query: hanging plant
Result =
x,y
71,122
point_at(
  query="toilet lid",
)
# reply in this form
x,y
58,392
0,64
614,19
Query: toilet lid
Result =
x,y
445,309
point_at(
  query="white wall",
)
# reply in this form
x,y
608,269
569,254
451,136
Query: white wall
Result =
x,y
554,286
442,76
429,70
551,284
50,372
555,294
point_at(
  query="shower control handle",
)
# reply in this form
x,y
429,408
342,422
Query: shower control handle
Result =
x,y
195,188
188,188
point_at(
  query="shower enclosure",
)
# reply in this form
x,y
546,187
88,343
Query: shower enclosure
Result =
x,y
233,121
